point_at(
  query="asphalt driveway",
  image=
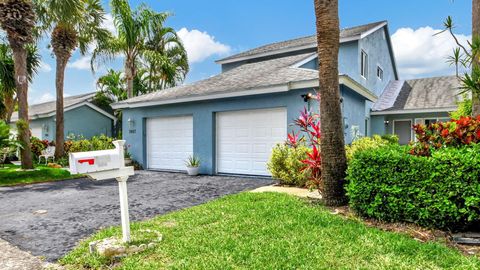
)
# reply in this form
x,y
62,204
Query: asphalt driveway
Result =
x,y
78,208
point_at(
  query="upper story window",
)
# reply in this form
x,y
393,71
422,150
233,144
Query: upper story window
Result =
x,y
364,64
379,73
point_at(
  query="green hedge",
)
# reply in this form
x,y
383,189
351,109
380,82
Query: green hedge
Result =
x,y
441,191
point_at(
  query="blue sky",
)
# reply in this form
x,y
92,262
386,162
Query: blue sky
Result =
x,y
213,29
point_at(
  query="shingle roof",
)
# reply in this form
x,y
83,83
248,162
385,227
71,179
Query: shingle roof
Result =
x,y
310,41
425,93
268,73
41,109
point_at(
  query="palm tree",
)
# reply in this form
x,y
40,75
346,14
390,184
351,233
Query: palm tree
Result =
x,y
17,18
143,37
334,162
112,85
8,97
72,23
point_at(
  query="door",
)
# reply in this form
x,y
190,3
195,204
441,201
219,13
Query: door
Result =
x,y
169,142
403,129
245,139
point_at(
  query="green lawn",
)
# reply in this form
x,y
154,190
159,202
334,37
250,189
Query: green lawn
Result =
x,y
10,175
271,231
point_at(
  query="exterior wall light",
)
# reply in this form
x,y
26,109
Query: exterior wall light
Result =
x,y
131,123
45,127
386,122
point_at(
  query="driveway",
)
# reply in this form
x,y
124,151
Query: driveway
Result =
x,y
78,208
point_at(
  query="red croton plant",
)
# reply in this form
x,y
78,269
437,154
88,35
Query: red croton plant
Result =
x,y
309,126
463,131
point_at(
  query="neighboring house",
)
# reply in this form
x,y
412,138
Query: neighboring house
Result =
x,y
81,118
232,120
420,101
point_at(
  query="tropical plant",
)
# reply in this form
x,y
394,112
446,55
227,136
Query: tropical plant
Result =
x,y
17,19
334,161
468,57
112,85
8,97
6,140
464,108
72,24
192,161
286,164
143,39
367,143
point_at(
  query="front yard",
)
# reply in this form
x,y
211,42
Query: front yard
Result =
x,y
11,175
270,231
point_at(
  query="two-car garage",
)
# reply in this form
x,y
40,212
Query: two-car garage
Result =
x,y
243,140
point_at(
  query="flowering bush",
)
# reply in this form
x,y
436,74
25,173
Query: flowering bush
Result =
x,y
367,143
38,145
454,133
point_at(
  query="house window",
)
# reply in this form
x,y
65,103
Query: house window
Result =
x,y
364,65
379,73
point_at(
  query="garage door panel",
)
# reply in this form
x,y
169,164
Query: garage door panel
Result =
x,y
253,133
169,142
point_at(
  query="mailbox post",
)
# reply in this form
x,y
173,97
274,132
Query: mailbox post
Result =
x,y
107,164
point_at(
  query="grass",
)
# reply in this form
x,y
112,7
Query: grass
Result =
x,y
270,231
10,175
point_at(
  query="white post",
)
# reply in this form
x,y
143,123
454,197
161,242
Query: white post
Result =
x,y
122,189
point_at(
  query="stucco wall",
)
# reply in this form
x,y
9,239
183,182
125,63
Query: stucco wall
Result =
x,y
83,121
204,119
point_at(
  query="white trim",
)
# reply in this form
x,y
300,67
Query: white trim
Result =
x,y
304,61
373,30
343,79
430,110
285,50
403,120
100,110
363,64
255,91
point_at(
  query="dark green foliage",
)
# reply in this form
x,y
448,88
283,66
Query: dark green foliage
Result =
x,y
441,191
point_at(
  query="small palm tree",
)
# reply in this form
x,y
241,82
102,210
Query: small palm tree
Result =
x,y
72,23
112,85
334,162
17,19
142,37
8,97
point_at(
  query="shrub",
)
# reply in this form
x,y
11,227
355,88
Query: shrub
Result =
x,y
286,165
454,133
441,191
38,145
366,143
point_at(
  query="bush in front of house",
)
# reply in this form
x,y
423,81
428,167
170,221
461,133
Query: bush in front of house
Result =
x,y
441,191
454,133
367,143
286,165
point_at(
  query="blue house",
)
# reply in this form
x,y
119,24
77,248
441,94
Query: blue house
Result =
x,y
232,120
82,117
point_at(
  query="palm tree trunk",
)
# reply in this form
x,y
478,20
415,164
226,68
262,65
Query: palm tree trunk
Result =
x,y
476,60
21,83
129,75
60,119
9,106
334,162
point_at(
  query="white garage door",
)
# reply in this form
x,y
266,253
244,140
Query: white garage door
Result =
x,y
245,139
169,142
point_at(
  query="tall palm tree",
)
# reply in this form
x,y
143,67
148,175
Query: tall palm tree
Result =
x,y
334,162
8,97
112,85
17,18
72,23
141,36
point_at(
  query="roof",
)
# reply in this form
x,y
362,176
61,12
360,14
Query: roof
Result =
x,y
434,94
275,75
346,35
47,109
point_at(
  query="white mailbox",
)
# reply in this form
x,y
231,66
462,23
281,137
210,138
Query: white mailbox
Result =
x,y
107,164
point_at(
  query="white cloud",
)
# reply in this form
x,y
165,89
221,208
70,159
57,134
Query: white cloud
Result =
x,y
421,53
82,63
109,24
44,67
44,98
201,45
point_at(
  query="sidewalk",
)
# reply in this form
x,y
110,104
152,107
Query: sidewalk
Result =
x,y
12,258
